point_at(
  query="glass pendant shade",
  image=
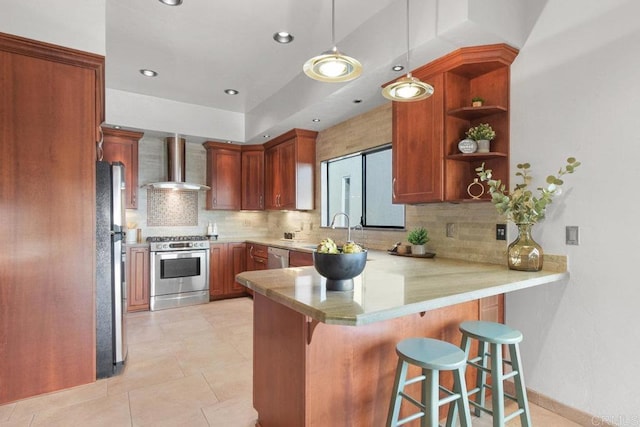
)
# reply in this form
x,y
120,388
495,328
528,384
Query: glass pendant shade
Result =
x,y
407,89
332,66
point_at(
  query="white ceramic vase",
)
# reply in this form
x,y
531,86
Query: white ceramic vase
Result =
x,y
418,249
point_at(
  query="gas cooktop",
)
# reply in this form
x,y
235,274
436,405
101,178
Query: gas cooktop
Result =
x,y
177,243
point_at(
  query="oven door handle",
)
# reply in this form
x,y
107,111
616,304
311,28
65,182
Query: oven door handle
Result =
x,y
181,254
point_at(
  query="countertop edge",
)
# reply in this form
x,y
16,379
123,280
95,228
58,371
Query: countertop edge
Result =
x,y
531,280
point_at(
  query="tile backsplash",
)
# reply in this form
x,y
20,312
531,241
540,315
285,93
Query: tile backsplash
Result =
x,y
172,208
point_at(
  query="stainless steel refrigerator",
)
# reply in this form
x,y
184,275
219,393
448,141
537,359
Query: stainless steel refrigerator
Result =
x,y
111,290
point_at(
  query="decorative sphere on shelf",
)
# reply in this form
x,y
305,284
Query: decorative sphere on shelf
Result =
x,y
339,268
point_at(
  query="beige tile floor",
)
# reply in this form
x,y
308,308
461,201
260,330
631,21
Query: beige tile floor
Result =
x,y
187,367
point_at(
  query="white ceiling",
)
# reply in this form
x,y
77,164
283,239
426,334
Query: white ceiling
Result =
x,y
203,47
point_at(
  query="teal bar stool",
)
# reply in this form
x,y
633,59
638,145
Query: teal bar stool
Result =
x,y
432,356
491,337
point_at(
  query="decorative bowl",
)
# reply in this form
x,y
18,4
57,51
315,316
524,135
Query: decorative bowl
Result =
x,y
339,269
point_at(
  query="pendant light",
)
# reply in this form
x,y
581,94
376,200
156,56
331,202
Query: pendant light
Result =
x,y
332,66
408,88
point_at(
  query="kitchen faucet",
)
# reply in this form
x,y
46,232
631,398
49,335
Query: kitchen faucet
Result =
x,y
333,224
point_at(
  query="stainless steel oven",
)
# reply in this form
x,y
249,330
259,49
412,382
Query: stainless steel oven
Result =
x,y
179,271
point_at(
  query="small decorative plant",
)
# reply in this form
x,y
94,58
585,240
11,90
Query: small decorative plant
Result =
x,y
481,132
418,236
477,101
520,205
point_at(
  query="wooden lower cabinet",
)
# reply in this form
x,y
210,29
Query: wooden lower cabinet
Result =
x,y
300,259
256,257
138,276
226,260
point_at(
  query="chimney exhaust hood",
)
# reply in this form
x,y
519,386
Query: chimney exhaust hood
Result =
x,y
176,171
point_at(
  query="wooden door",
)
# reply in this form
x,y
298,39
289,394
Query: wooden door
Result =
x,y
272,177
217,266
50,107
122,146
287,173
237,261
300,259
223,176
256,257
138,278
253,178
417,147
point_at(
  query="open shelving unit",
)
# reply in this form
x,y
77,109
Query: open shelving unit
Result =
x,y
484,72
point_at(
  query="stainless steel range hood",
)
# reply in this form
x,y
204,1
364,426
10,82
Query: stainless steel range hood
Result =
x,y
176,171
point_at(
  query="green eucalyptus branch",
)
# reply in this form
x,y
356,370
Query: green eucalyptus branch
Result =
x,y
521,206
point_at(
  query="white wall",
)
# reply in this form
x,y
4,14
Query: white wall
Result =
x,y
145,112
576,91
78,24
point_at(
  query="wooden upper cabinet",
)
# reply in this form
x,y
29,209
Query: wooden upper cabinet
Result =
x,y
427,164
122,146
417,147
252,177
223,175
290,170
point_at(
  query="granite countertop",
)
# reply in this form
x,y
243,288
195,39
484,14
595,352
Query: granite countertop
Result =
x,y
391,286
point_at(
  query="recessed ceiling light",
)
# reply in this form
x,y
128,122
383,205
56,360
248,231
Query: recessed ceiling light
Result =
x,y
315,120
116,127
266,136
397,68
357,101
231,92
171,2
148,73
283,37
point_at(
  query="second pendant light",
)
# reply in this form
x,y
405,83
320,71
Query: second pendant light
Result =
x,y
408,88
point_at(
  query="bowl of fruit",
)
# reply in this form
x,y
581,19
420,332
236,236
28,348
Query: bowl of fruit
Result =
x,y
339,265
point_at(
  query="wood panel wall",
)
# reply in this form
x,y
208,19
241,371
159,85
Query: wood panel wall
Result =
x,y
51,103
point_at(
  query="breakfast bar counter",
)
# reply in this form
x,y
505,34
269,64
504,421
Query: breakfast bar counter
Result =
x,y
328,358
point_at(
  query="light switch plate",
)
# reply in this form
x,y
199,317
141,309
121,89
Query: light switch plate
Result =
x,y
572,235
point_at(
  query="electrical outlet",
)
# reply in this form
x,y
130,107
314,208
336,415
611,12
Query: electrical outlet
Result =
x,y
572,235
451,229
501,231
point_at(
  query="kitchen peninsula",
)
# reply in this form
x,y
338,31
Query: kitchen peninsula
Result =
x,y
328,358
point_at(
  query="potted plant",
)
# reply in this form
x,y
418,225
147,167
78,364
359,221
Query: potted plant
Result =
x,y
477,101
418,237
482,134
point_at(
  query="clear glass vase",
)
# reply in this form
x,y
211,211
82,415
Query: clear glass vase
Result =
x,y
524,253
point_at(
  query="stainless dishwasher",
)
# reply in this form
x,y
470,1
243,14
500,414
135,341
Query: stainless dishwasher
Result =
x,y
277,258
